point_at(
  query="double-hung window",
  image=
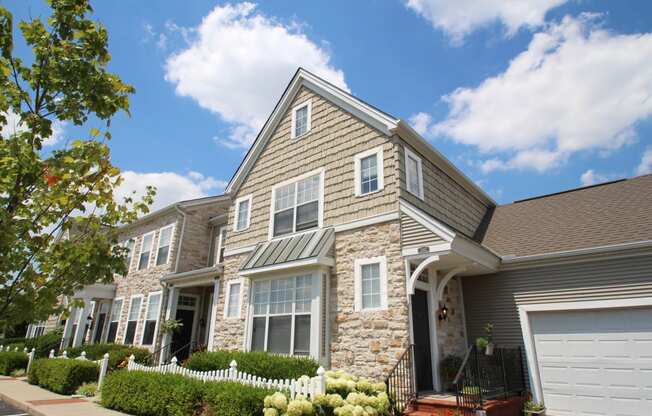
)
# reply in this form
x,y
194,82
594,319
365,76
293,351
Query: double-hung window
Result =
x,y
116,311
370,284
282,315
232,306
164,239
217,256
129,245
145,250
132,320
413,173
301,116
296,205
368,168
242,213
151,318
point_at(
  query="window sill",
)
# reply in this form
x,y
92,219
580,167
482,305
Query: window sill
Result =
x,y
371,310
369,193
415,194
302,136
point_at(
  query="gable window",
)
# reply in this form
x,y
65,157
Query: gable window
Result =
x,y
370,284
413,173
132,320
301,115
242,213
116,311
151,318
145,250
232,306
297,205
368,168
129,245
164,239
282,317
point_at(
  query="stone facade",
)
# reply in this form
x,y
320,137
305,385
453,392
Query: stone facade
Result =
x,y
451,333
230,332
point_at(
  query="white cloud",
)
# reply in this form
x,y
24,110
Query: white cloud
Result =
x,y
160,39
460,17
238,62
14,126
170,187
576,88
645,166
591,177
420,122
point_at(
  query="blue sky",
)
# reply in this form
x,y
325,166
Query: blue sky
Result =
x,y
525,100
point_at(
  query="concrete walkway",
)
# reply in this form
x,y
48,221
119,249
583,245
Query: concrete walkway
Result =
x,y
40,402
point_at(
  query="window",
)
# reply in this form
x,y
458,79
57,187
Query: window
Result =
x,y
132,319
151,318
116,311
129,245
217,256
297,205
37,329
368,168
145,250
301,115
370,284
232,306
164,238
282,315
413,174
242,213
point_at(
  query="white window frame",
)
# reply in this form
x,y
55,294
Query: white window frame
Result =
x,y
320,203
151,248
158,317
296,108
357,168
410,154
131,300
357,273
105,336
221,233
227,298
236,215
158,243
133,251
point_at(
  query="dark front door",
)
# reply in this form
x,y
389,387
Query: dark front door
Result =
x,y
99,328
421,325
181,340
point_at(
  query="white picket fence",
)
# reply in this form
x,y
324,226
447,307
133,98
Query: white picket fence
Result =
x,y
306,386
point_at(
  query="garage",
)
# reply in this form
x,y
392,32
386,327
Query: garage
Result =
x,y
594,362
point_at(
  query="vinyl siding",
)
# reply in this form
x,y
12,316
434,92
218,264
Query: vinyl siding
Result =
x,y
414,234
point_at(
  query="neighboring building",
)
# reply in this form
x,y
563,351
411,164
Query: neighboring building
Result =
x,y
344,235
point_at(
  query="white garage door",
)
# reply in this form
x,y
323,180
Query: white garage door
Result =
x,y
596,362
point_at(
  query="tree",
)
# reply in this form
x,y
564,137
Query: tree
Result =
x,y
58,217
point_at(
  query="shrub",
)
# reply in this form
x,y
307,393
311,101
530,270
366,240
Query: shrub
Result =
x,y
87,390
45,343
117,353
62,376
233,399
151,394
10,361
258,363
10,341
18,373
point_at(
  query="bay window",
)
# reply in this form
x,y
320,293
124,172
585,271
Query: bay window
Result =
x,y
297,205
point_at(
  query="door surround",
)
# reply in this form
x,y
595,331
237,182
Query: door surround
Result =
x,y
194,308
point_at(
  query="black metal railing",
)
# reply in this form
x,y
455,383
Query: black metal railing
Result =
x,y
182,352
483,377
155,357
401,384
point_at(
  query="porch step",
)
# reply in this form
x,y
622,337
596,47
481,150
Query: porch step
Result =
x,y
434,407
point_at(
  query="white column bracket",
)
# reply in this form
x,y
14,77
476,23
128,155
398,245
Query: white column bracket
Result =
x,y
444,281
417,272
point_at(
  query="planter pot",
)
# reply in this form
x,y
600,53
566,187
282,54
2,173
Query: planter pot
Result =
x,y
535,412
490,349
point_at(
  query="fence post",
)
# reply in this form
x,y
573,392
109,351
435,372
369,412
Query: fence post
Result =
x,y
104,365
233,370
132,361
25,350
51,354
30,358
320,385
83,355
173,362
65,354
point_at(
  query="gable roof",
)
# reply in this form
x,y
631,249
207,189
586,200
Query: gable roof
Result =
x,y
612,213
380,120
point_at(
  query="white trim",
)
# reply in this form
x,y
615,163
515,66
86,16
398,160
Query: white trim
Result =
x,y
122,305
213,315
440,249
380,161
239,250
221,234
444,281
528,335
236,215
410,154
320,203
357,274
366,221
316,261
443,231
158,243
151,248
414,277
293,132
158,317
131,301
133,252
227,298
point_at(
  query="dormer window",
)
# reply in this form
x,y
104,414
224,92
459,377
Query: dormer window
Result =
x,y
301,115
296,205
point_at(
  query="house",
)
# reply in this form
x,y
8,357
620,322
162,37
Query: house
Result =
x,y
345,236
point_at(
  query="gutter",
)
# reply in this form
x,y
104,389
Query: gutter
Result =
x,y
183,231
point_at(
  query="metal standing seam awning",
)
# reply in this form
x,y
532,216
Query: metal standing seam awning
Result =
x,y
311,248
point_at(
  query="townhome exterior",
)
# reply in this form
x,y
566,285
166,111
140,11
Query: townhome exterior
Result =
x,y
345,236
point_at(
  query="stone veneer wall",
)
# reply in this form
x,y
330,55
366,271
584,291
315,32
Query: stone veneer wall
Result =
x,y
451,335
368,343
230,332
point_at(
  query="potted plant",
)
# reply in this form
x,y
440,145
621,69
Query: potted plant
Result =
x,y
486,343
534,408
171,326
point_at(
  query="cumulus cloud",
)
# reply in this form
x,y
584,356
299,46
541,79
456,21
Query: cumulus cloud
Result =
x,y
576,88
645,167
170,187
420,122
14,126
237,63
591,177
461,17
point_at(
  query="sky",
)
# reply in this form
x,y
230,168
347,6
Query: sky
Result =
x,y
525,97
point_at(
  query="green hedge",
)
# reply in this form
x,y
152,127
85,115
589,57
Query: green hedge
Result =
x,y
10,341
260,364
117,353
10,361
45,343
151,394
62,376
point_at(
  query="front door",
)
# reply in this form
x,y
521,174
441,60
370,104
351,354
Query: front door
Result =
x,y
421,327
181,340
99,327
